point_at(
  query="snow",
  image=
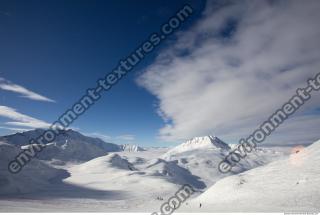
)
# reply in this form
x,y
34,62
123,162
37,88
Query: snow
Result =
x,y
69,145
106,162
203,160
291,184
131,148
36,176
108,183
130,180
206,142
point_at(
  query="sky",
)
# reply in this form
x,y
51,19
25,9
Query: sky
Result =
x,y
226,70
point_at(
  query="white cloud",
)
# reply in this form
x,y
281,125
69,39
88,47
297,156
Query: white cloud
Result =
x,y
9,86
21,119
209,85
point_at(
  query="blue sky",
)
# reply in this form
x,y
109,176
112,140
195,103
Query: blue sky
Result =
x,y
59,48
228,80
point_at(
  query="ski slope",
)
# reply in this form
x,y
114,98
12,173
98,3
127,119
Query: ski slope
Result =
x,y
140,181
286,185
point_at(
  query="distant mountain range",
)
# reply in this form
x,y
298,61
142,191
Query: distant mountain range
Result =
x,y
68,145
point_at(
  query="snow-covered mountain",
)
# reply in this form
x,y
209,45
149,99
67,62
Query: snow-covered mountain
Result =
x,y
131,148
63,137
202,155
109,161
133,180
200,143
68,145
173,172
290,184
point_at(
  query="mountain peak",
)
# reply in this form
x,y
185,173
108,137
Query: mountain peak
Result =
x,y
131,148
206,141
67,145
199,143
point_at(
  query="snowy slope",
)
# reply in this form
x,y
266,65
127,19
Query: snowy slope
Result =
x,y
34,177
153,168
291,184
202,155
105,162
174,173
129,181
138,189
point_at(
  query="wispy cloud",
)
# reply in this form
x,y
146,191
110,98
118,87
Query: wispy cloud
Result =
x,y
14,129
99,135
9,86
126,137
21,119
235,67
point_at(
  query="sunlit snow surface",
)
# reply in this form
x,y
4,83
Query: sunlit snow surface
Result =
x,y
280,179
